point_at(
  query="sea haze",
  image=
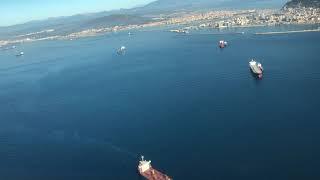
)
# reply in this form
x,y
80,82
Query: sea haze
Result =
x,y
77,110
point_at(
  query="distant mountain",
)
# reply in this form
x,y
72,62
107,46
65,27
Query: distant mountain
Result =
x,y
303,3
244,4
172,5
175,5
116,20
65,25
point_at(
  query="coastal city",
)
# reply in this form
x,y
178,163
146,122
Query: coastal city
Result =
x,y
194,21
268,17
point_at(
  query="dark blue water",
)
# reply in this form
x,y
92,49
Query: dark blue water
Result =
x,y
77,110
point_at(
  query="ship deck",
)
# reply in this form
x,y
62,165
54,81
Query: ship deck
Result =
x,y
153,174
255,69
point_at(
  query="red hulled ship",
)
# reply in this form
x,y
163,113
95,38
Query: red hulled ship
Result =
x,y
147,171
222,44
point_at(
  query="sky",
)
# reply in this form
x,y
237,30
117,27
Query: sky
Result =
x,y
20,11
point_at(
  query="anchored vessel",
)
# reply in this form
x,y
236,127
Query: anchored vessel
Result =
x,y
180,31
256,68
121,50
20,54
147,171
222,44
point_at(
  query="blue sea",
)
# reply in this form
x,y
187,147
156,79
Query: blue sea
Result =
x,y
78,110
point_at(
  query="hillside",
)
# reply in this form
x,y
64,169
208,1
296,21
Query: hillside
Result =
x,y
116,20
176,5
303,3
69,24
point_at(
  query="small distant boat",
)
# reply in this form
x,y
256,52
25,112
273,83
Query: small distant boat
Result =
x,y
121,50
185,32
129,33
8,48
256,68
223,44
182,31
146,170
20,54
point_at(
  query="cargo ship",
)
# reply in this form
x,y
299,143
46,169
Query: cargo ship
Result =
x,y
147,171
222,44
256,68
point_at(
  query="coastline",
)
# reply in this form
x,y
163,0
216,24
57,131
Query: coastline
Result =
x,y
287,32
223,19
84,34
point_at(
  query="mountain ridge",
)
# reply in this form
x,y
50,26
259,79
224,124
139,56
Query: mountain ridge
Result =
x,y
303,3
78,22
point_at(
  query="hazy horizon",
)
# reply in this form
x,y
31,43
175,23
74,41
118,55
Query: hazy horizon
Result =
x,y
19,12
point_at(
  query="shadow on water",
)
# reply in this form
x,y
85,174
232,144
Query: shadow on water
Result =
x,y
255,77
220,49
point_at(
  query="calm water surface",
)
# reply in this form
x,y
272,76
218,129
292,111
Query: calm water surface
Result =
x,y
77,110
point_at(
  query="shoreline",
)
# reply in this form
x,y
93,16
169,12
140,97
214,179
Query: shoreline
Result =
x,y
222,19
83,34
288,32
